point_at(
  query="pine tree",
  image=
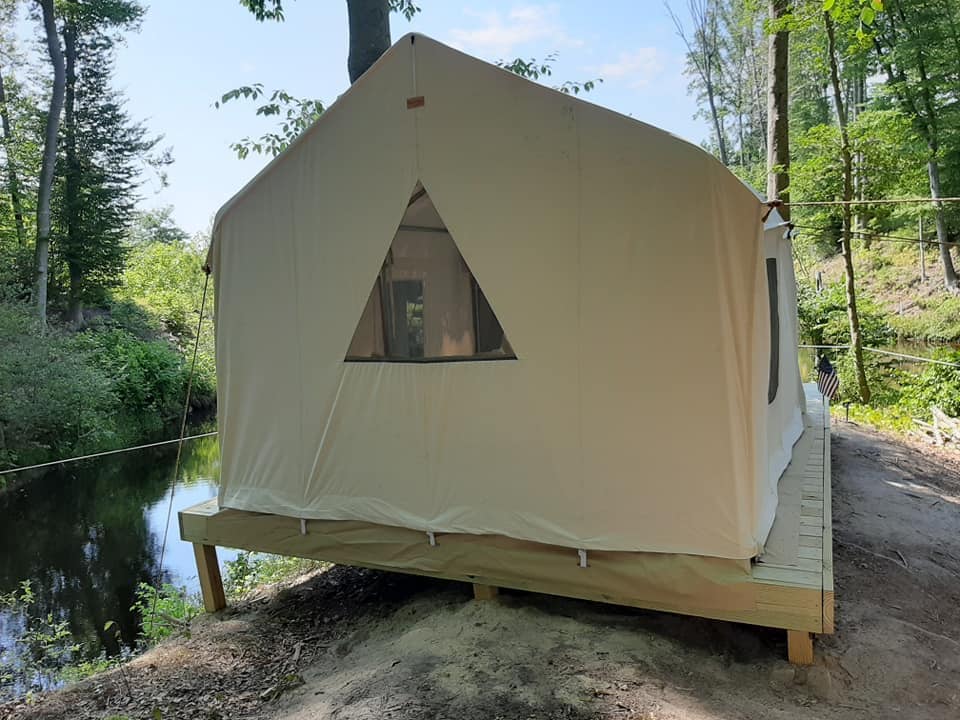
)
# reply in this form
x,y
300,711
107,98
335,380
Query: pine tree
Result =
x,y
99,166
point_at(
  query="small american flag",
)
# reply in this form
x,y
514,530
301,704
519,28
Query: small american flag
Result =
x,y
827,381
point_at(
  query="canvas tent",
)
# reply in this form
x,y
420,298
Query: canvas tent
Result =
x,y
465,303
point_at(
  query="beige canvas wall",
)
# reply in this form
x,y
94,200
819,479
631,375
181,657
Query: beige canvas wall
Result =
x,y
625,266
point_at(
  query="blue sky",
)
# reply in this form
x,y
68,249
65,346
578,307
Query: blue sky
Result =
x,y
187,54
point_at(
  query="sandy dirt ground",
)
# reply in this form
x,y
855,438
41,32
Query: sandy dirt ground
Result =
x,y
351,644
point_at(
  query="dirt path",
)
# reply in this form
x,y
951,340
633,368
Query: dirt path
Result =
x,y
353,644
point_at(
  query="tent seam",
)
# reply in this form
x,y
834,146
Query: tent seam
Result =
x,y
576,132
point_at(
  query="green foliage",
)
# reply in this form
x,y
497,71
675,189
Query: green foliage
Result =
x,y
23,596
861,13
154,226
934,384
534,69
162,290
66,393
273,9
938,321
149,378
165,612
82,669
104,154
297,114
47,638
823,317
166,280
252,570
54,400
888,152
902,394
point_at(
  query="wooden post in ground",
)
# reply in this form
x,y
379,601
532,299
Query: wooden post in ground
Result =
x,y
800,647
208,570
485,592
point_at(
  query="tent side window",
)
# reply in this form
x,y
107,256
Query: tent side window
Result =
x,y
426,305
773,294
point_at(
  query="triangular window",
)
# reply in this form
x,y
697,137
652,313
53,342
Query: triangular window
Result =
x,y
425,304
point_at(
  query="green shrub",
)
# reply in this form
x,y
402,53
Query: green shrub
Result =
x,y
66,393
54,400
823,317
166,279
47,639
166,612
148,377
882,376
251,570
938,321
934,385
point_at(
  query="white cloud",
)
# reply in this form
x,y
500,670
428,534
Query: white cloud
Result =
x,y
500,36
636,68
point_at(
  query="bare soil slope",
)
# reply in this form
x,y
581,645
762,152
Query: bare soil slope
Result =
x,y
353,644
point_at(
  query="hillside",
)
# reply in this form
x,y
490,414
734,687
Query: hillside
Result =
x,y
889,274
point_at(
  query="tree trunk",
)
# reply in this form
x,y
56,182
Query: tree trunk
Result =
x,y
71,196
928,101
717,124
13,181
48,162
859,176
778,110
369,34
856,341
949,271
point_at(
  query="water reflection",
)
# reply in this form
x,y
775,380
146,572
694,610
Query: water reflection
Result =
x,y
86,535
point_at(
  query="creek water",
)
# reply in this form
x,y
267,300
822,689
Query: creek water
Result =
x,y
85,535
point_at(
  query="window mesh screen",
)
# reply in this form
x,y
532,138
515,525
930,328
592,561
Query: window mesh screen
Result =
x,y
773,294
426,305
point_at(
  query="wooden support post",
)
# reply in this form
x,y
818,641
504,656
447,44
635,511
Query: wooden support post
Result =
x,y
485,592
800,647
208,570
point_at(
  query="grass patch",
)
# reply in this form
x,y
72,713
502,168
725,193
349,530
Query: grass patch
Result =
x,y
253,570
938,321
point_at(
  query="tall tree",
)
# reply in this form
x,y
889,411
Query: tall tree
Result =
x,y
102,148
71,191
778,105
916,46
856,340
703,54
13,178
48,162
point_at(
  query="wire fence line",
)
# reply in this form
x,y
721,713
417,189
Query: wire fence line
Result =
x,y
64,461
878,351
889,201
118,451
877,237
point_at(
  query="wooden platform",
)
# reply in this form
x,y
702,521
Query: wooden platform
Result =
x,y
789,586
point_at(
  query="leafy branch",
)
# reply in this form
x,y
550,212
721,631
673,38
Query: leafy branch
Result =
x,y
534,69
273,9
297,114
